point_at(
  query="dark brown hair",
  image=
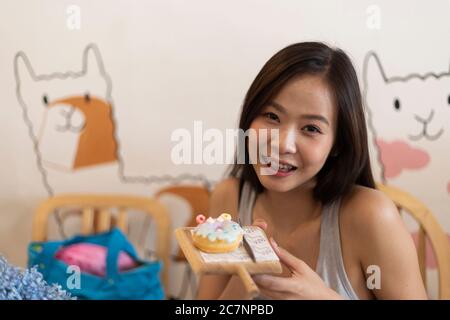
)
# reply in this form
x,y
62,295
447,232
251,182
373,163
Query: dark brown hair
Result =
x,y
348,162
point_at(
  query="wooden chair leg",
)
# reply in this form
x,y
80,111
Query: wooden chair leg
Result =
x,y
102,220
87,221
122,222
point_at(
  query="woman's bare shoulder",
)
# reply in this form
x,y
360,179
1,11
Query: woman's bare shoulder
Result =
x,y
224,198
363,205
368,215
377,236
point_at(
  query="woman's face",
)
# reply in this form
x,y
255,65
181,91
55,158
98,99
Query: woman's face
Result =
x,y
305,116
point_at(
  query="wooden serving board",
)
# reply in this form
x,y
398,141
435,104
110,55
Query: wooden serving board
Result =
x,y
237,262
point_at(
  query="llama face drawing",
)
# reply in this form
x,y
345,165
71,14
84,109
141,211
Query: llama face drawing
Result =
x,y
68,115
70,119
409,121
409,117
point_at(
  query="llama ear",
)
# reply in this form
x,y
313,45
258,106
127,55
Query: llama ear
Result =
x,y
92,60
373,70
23,71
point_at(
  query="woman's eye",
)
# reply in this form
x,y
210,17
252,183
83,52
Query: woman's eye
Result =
x,y
271,116
312,129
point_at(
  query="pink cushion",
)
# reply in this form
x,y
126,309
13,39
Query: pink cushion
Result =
x,y
91,258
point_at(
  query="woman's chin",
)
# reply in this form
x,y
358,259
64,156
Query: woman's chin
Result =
x,y
279,184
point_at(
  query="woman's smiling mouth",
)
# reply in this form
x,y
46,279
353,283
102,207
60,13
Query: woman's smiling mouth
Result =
x,y
280,168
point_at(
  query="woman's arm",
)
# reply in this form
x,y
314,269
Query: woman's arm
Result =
x,y
210,287
386,249
218,287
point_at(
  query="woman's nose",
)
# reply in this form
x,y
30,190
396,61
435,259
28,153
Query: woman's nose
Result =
x,y
288,139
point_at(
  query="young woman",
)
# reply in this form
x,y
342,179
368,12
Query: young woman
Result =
x,y
337,237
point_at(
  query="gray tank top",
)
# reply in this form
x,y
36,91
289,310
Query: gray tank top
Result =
x,y
330,265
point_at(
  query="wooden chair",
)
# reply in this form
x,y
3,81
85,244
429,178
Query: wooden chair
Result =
x,y
428,228
96,216
198,199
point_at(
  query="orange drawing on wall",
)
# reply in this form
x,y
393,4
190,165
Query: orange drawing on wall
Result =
x,y
88,132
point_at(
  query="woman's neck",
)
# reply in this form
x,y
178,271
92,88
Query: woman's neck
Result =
x,y
290,209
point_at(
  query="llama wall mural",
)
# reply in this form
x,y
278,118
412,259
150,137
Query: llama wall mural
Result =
x,y
71,122
409,121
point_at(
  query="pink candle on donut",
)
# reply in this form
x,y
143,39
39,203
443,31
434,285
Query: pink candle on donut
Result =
x,y
200,219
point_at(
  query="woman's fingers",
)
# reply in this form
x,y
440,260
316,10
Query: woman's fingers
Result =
x,y
291,261
260,223
273,283
275,295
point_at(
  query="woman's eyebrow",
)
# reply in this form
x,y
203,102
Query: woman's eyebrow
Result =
x,y
317,117
277,106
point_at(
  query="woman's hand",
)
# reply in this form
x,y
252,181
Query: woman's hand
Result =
x,y
234,289
303,283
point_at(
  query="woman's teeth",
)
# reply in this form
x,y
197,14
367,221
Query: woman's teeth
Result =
x,y
281,166
286,167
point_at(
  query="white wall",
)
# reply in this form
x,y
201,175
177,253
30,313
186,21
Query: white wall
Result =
x,y
173,62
